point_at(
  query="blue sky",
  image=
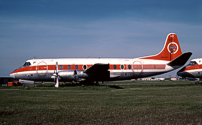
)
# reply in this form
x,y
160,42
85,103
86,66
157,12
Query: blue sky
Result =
x,y
95,28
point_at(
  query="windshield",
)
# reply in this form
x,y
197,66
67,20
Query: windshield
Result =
x,y
27,64
192,63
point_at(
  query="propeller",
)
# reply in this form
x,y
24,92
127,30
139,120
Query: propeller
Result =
x,y
57,76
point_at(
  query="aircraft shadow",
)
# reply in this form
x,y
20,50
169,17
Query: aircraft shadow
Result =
x,y
80,84
115,87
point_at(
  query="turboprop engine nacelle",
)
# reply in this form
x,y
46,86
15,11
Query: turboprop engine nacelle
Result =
x,y
72,75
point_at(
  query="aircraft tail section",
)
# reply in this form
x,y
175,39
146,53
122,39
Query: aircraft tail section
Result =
x,y
170,51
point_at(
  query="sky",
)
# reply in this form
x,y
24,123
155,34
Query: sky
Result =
x,y
95,28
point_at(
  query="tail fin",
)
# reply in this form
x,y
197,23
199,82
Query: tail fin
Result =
x,y
170,51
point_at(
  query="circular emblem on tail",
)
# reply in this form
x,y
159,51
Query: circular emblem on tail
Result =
x,y
172,35
172,47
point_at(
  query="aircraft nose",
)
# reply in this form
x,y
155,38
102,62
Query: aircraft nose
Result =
x,y
184,74
180,74
12,75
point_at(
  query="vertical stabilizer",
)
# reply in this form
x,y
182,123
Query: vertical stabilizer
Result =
x,y
170,51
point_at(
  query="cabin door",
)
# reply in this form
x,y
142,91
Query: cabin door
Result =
x,y
42,68
137,67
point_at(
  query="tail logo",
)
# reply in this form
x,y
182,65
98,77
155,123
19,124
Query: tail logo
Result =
x,y
172,47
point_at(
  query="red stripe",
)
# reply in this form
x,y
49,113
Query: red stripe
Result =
x,y
80,67
157,66
30,68
193,67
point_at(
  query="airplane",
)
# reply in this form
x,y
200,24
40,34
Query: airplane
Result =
x,y
192,70
104,69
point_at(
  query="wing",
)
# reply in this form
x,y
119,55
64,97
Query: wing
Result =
x,y
98,71
97,68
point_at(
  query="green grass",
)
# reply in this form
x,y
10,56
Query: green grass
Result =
x,y
151,102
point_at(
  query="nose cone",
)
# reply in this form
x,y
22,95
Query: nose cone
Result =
x,y
12,75
184,73
180,73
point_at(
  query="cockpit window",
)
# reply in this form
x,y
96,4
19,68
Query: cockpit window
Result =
x,y
27,64
192,63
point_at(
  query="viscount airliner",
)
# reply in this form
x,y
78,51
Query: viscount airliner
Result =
x,y
193,69
104,69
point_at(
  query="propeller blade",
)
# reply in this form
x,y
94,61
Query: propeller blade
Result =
x,y
57,82
56,66
57,77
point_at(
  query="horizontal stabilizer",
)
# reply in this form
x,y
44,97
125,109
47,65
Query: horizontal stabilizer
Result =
x,y
180,60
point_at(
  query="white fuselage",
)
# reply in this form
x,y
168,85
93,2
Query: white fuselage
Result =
x,y
119,69
104,69
193,69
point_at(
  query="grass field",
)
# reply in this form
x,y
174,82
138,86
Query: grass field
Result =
x,y
150,102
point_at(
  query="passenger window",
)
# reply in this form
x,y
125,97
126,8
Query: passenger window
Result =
x,y
114,66
69,67
122,66
76,67
129,66
84,67
61,67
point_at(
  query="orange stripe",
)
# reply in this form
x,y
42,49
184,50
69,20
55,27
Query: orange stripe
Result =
x,y
157,66
80,67
193,67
